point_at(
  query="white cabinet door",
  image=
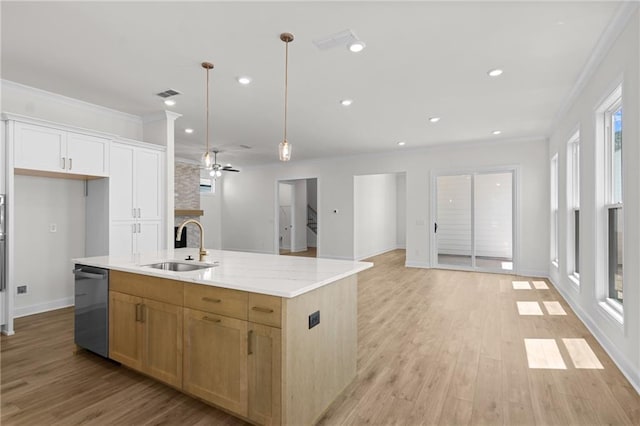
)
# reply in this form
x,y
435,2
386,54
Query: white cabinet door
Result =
x,y
87,155
148,237
121,238
148,184
39,148
121,182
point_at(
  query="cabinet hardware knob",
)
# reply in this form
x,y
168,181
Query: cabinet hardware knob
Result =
x,y
216,320
212,300
261,309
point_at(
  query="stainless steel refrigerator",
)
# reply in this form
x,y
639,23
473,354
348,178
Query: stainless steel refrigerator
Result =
x,y
3,244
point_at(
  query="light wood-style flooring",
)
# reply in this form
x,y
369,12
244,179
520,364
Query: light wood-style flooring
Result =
x,y
435,347
309,252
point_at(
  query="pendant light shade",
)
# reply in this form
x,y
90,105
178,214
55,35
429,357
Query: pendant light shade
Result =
x,y
207,161
285,147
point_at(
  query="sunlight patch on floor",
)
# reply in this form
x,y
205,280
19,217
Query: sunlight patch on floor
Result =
x,y
554,308
544,354
540,285
529,308
521,285
581,354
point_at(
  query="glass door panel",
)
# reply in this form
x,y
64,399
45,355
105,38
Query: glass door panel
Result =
x,y
454,243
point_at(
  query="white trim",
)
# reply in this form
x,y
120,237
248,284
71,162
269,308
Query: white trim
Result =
x,y
248,250
43,307
335,257
625,365
140,144
72,101
616,26
298,250
401,246
375,253
10,116
160,116
417,264
530,273
615,312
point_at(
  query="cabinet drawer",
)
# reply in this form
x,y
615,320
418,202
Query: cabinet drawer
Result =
x,y
265,309
217,300
160,289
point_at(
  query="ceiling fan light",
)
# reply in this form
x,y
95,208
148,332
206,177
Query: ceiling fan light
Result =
x,y
285,150
218,173
356,46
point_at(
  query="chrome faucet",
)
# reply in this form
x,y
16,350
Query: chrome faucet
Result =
x,y
203,252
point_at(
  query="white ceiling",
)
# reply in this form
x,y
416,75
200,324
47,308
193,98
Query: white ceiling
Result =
x,y
422,59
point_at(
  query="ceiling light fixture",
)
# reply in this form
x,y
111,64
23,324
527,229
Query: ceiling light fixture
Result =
x,y
434,119
356,46
169,102
495,72
346,102
189,130
284,148
496,132
402,143
206,157
244,80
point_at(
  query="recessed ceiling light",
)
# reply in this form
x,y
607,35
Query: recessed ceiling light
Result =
x,y
346,102
497,132
244,80
188,131
356,46
434,119
402,143
169,102
495,72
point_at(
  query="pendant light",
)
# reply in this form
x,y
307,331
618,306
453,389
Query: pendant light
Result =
x,y
207,161
285,147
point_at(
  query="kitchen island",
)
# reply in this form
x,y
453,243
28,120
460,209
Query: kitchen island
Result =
x,y
272,339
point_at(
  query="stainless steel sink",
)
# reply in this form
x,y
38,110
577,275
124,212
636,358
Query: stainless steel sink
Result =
x,y
179,266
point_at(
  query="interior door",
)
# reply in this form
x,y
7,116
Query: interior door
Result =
x,y
474,221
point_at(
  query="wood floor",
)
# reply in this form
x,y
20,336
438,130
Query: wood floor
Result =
x,y
309,252
435,347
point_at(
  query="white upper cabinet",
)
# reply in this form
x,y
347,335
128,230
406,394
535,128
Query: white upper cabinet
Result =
x,y
148,184
47,149
121,182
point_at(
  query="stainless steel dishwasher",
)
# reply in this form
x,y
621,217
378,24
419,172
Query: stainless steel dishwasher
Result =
x,y
92,309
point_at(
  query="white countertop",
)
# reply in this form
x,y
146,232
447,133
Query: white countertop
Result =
x,y
284,276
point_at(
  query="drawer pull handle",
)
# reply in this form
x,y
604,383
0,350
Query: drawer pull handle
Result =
x,y
250,343
211,319
261,309
211,299
138,312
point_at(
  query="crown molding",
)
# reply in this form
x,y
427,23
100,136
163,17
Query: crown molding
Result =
x,y
606,41
160,116
56,97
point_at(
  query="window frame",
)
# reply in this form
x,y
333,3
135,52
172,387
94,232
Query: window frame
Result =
x,y
554,204
573,208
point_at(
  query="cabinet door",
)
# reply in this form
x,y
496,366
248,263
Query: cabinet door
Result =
x,y
121,235
163,341
215,359
148,237
148,183
125,329
87,155
39,148
264,374
121,182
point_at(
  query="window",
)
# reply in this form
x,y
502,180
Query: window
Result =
x,y
554,210
611,216
573,205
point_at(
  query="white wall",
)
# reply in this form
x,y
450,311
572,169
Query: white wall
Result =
x,y
401,211
620,62
211,205
249,198
43,258
375,224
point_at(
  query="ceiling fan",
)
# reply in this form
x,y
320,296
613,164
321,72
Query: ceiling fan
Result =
x,y
217,169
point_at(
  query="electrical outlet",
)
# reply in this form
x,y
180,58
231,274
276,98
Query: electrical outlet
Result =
x,y
53,227
314,319
22,289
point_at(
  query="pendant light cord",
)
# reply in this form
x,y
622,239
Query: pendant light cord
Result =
x,y
207,110
286,87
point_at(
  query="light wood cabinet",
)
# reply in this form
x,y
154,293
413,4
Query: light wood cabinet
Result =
x,y
162,341
125,329
265,377
47,149
215,363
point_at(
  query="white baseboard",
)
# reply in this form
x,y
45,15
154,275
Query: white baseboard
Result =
x,y
43,307
616,355
530,273
298,250
376,253
401,247
417,264
335,257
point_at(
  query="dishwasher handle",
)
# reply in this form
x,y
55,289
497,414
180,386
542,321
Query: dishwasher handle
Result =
x,y
79,272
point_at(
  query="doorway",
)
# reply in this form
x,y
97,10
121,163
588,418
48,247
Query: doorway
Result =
x,y
297,217
474,221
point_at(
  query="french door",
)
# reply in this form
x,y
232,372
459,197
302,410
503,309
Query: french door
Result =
x,y
474,221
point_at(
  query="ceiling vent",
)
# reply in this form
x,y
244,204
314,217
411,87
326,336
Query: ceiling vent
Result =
x,y
245,146
168,93
341,38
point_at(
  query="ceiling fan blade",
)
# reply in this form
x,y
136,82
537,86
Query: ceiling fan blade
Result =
x,y
230,170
